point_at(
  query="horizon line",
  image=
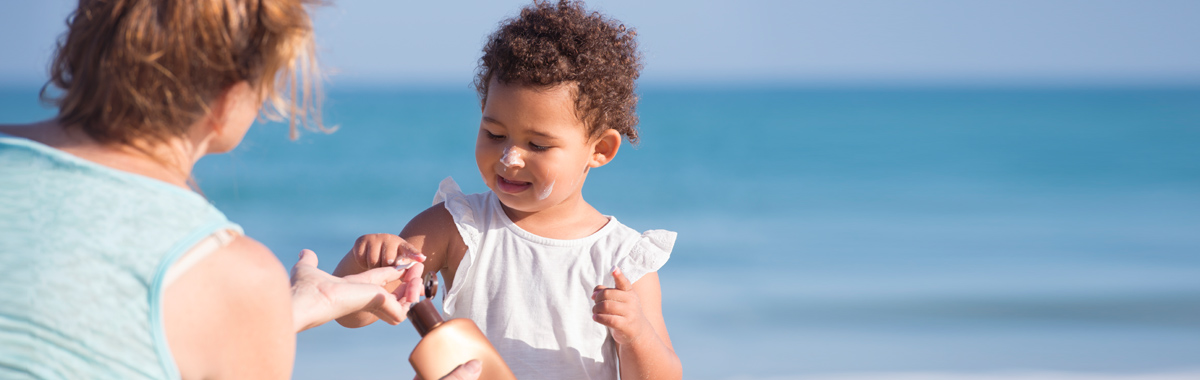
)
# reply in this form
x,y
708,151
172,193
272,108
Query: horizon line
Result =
x,y
864,83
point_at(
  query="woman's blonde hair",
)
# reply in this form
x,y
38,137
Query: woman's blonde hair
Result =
x,y
142,71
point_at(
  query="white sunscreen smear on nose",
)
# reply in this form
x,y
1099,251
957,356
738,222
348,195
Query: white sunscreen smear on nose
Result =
x,y
511,157
546,191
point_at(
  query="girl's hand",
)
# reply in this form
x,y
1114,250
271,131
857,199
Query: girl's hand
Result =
x,y
620,310
383,250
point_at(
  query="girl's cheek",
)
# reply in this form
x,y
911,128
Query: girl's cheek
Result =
x,y
547,189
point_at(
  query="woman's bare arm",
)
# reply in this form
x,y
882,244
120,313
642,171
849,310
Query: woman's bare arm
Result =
x,y
230,315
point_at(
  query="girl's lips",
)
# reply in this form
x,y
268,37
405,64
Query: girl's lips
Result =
x,y
511,187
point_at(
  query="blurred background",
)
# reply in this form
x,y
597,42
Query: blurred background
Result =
x,y
862,189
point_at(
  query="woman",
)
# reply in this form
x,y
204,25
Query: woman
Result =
x,y
110,266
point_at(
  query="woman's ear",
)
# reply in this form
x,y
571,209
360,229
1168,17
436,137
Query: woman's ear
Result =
x,y
604,148
230,115
230,107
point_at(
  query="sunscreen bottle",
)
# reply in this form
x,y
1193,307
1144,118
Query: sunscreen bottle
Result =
x,y
445,345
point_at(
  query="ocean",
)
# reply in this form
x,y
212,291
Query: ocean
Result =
x,y
824,233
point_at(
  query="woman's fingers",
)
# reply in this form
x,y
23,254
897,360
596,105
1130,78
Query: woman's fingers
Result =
x,y
377,276
467,371
410,288
391,310
307,257
415,288
381,303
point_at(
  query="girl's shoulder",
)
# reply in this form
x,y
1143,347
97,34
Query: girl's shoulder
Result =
x,y
639,253
466,213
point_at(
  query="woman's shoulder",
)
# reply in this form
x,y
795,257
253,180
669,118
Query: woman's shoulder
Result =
x,y
238,300
29,155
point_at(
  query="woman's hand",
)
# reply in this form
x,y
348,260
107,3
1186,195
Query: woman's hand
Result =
x,y
466,371
319,297
621,310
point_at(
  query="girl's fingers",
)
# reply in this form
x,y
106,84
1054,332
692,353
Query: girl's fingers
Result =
x,y
622,282
360,256
387,252
609,307
608,320
371,252
596,291
610,294
407,251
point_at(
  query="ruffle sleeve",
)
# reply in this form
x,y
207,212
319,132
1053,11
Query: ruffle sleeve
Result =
x,y
460,208
649,253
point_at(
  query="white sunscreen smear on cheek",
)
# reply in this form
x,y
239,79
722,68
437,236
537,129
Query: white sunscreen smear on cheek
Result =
x,y
546,191
511,157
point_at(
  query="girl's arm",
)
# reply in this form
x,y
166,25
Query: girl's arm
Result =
x,y
633,313
430,234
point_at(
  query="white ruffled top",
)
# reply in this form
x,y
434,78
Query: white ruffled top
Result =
x,y
531,295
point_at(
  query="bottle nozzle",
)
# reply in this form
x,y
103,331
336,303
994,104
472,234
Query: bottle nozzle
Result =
x,y
424,315
431,284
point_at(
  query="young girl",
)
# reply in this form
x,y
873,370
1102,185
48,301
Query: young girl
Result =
x,y
561,290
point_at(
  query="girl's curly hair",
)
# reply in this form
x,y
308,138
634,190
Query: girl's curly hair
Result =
x,y
551,44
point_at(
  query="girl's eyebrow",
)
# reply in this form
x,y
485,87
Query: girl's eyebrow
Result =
x,y
540,134
490,120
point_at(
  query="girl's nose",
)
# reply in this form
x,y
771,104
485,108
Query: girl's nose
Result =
x,y
512,157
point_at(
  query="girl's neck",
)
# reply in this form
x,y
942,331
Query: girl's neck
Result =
x,y
573,218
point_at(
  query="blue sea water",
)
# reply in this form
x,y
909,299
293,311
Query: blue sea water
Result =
x,y
821,231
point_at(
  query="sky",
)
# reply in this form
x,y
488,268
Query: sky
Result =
x,y
760,42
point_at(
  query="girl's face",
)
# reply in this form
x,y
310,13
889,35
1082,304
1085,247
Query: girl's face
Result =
x,y
533,151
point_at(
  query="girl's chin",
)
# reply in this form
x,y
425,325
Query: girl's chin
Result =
x,y
519,203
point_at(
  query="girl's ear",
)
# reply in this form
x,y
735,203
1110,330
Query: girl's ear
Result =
x,y
604,148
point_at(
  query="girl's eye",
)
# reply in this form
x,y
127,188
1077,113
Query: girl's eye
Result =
x,y
492,136
538,147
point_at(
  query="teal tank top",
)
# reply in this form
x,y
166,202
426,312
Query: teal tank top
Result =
x,y
83,253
